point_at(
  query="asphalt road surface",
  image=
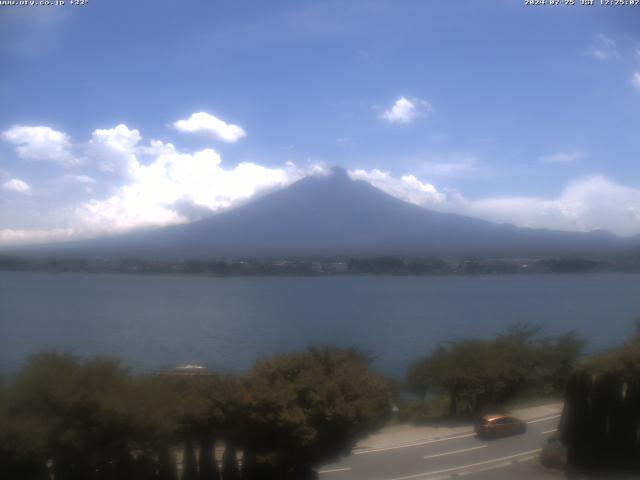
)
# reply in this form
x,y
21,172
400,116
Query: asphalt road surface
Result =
x,y
450,457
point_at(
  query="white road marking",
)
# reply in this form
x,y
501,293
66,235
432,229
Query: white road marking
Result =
x,y
549,431
454,452
544,419
462,467
416,444
492,467
428,442
334,470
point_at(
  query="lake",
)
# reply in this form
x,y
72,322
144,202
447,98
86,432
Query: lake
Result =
x,y
155,322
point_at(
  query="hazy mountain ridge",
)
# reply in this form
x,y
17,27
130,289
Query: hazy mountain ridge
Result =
x,y
334,215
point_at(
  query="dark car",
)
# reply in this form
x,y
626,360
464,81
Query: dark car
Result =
x,y
492,426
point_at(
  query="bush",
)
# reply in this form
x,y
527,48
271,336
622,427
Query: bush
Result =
x,y
421,411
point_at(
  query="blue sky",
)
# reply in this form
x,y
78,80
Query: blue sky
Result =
x,y
512,113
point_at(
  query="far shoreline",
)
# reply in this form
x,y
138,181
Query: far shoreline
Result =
x,y
321,266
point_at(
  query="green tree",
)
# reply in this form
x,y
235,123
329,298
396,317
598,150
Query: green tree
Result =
x,y
470,372
480,374
79,412
309,407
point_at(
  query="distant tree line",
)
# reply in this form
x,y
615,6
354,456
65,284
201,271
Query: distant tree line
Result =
x,y
389,265
72,419
372,265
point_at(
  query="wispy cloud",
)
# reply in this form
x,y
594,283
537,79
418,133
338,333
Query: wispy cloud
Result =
x,y
81,178
406,110
562,157
449,167
635,79
603,48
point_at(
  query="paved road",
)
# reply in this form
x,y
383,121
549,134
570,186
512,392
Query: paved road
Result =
x,y
459,455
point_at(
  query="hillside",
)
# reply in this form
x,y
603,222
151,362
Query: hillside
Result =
x,y
334,215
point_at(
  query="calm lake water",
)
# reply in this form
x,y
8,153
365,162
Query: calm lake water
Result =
x,y
157,322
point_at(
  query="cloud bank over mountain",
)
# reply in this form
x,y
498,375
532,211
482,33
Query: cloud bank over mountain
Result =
x,y
128,183
591,203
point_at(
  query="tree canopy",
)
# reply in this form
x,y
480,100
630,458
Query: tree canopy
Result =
x,y
477,374
312,406
93,419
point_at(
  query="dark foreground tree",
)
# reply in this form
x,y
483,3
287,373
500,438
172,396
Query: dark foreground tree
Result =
x,y
73,419
91,420
302,409
22,447
601,419
79,414
230,462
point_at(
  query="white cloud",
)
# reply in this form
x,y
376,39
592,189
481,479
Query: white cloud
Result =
x,y
635,79
179,187
169,191
562,157
588,204
16,185
202,122
592,203
407,187
156,185
406,110
40,143
114,150
604,48
174,186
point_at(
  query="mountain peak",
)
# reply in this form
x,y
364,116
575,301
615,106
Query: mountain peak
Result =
x,y
334,215
339,173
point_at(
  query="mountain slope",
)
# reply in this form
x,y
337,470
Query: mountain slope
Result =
x,y
335,215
